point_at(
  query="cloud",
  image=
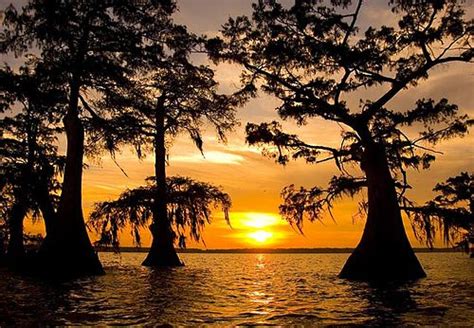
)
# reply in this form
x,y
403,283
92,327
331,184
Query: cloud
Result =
x,y
217,157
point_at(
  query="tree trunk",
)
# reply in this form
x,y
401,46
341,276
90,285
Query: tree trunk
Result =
x,y
67,250
2,248
384,252
16,249
43,197
162,252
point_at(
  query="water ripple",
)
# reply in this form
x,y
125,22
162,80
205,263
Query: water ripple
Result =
x,y
242,289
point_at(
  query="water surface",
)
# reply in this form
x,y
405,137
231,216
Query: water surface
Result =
x,y
246,289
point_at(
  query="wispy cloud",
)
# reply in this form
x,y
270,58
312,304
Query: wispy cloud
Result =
x,y
217,157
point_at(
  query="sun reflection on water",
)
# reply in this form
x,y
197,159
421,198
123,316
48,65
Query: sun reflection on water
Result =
x,y
260,261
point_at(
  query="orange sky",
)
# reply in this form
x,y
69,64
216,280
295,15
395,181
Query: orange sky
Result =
x,y
254,182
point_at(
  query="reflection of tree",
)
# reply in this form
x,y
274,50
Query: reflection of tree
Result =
x,y
387,304
169,295
52,300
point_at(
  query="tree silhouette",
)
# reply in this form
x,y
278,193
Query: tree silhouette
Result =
x,y
30,165
312,58
450,212
189,206
170,96
94,46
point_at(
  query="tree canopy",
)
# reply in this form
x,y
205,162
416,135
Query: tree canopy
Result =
x,y
313,57
166,78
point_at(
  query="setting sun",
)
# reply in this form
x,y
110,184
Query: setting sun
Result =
x,y
257,228
260,236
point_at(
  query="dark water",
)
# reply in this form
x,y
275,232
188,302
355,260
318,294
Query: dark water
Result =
x,y
246,289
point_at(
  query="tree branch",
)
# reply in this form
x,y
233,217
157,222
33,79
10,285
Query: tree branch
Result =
x,y
354,19
342,116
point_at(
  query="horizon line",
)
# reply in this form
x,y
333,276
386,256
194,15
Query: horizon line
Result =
x,y
256,250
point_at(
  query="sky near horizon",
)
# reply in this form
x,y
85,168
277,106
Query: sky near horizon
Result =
x,y
253,181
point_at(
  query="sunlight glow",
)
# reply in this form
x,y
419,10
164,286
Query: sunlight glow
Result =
x,y
260,220
260,236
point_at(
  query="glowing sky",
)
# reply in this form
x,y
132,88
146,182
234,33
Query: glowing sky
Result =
x,y
254,182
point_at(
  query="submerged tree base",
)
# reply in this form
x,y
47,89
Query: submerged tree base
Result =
x,y
59,267
159,257
380,265
65,262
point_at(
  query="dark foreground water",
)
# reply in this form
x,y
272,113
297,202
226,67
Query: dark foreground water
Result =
x,y
245,289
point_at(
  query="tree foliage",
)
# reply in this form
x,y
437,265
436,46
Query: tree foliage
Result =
x,y
451,212
189,206
94,47
166,79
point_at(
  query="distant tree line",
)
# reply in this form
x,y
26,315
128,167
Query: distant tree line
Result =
x,y
113,74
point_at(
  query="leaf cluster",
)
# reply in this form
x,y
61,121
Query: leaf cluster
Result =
x,y
451,212
189,206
